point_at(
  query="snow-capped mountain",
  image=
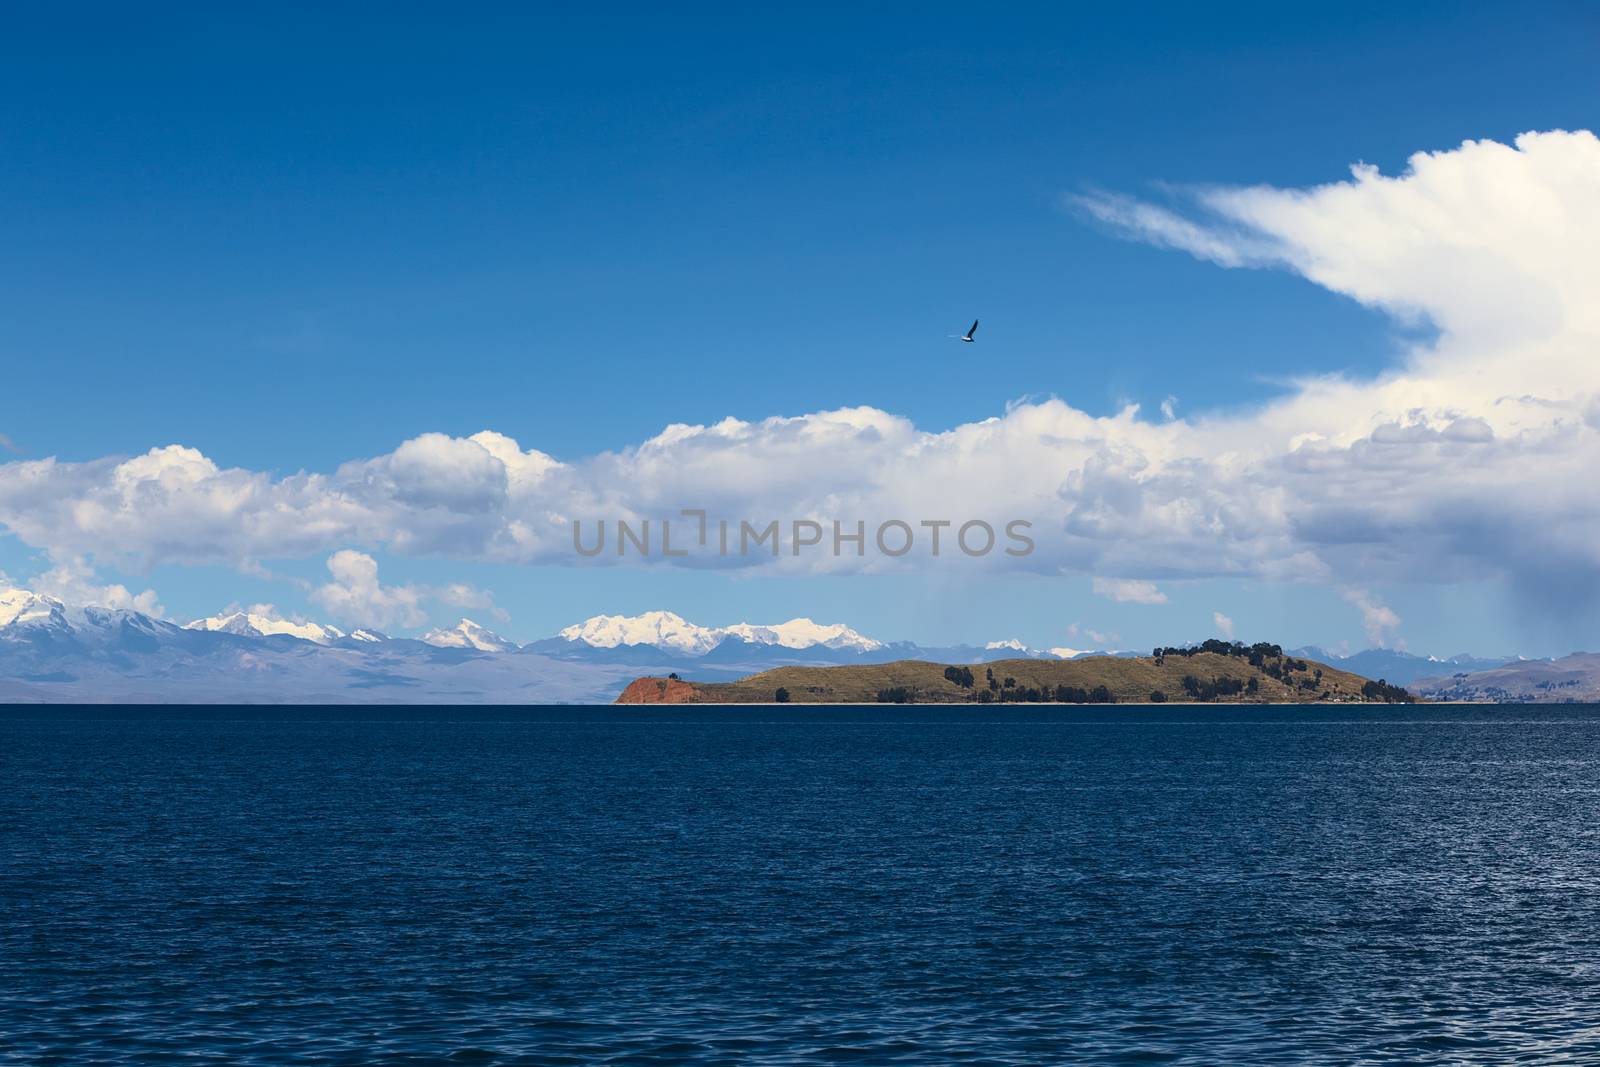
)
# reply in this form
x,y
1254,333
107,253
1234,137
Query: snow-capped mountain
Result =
x,y
263,624
657,629
1017,648
468,634
24,608
53,652
38,625
803,633
35,618
670,638
670,632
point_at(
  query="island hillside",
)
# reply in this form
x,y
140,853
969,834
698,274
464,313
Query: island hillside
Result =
x,y
1212,672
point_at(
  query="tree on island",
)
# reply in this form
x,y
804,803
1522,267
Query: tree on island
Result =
x,y
781,696
962,676
1389,694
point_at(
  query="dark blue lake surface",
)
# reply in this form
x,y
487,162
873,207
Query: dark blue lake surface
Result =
x,y
898,885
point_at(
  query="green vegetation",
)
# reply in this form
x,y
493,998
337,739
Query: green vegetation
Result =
x,y
962,676
1389,694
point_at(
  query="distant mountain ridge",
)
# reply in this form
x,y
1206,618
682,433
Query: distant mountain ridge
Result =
x,y
258,624
51,651
26,608
468,634
672,637
652,634
1573,679
54,651
667,630
1401,668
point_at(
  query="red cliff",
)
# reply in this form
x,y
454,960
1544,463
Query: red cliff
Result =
x,y
659,691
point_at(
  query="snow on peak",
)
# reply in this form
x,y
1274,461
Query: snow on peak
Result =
x,y
661,629
803,633
1068,653
467,634
664,629
368,635
262,621
1013,644
20,607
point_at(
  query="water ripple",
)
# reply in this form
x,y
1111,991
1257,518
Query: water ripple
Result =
x,y
578,887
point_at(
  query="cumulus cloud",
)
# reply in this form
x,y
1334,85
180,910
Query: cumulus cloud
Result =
x,y
1379,621
460,595
1129,591
73,580
1473,456
1223,624
355,595
1488,241
1099,637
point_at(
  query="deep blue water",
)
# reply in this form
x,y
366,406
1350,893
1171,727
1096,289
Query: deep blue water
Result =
x,y
773,886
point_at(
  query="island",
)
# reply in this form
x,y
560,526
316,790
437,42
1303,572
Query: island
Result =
x,y
1213,671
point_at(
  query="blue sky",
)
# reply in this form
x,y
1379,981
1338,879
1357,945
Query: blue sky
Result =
x,y
294,239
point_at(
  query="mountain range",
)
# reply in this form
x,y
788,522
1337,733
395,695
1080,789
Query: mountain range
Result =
x,y
1402,668
1573,679
51,651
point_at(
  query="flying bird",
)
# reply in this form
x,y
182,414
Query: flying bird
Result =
x,y
967,337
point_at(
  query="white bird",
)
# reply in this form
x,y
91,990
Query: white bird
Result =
x,y
967,337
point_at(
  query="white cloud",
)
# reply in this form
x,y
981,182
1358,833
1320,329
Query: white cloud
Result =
x,y
1472,457
1379,621
1099,637
1223,624
460,595
1129,591
1169,408
1169,229
357,597
73,581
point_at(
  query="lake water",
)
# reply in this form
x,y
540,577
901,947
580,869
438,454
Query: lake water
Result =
x,y
913,885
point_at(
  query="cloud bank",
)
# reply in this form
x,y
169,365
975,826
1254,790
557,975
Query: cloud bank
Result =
x,y
1472,457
